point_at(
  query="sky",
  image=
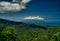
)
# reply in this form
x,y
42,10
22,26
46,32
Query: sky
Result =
x,y
20,10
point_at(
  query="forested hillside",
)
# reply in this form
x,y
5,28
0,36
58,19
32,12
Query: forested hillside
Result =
x,y
14,31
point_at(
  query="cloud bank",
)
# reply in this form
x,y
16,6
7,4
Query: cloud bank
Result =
x,y
33,18
15,6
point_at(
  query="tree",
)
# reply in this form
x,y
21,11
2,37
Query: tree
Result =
x,y
7,34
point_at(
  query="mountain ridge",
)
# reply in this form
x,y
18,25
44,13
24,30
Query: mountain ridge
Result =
x,y
9,22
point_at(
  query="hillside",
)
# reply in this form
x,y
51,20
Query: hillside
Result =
x,y
29,32
11,23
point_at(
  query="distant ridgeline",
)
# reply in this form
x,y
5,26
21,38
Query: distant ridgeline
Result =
x,y
8,22
21,24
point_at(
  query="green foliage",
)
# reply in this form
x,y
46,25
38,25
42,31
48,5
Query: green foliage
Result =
x,y
7,34
38,34
2,27
25,32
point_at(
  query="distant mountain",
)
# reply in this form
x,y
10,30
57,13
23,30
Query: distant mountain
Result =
x,y
9,22
42,22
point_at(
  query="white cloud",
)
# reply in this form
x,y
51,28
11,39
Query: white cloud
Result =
x,y
22,1
33,18
9,7
12,7
25,1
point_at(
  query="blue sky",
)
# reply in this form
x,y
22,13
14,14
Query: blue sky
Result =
x,y
48,9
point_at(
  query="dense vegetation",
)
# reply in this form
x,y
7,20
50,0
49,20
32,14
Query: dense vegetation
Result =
x,y
25,32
